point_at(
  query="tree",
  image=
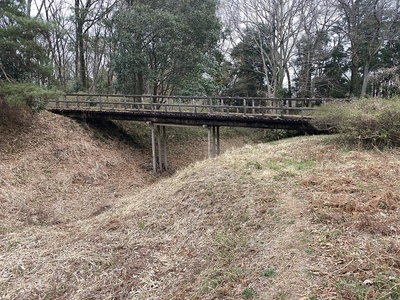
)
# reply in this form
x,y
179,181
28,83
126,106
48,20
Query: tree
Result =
x,y
247,74
385,79
23,60
87,13
279,24
314,48
163,47
22,57
368,24
330,80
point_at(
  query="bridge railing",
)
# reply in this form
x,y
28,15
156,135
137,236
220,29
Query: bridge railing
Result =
x,y
187,104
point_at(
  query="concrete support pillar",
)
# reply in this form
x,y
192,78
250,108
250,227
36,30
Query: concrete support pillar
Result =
x,y
160,156
165,147
218,143
213,141
214,146
159,147
209,142
153,148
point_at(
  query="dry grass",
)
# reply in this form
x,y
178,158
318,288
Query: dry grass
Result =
x,y
55,171
356,200
296,219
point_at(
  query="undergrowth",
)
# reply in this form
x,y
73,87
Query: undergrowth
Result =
x,y
368,123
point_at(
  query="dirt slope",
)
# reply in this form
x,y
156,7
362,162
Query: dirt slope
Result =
x,y
295,219
56,171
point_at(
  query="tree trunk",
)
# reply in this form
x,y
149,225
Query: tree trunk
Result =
x,y
355,78
139,90
28,7
82,62
289,82
365,78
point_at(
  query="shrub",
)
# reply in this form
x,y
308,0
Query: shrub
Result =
x,y
25,94
366,122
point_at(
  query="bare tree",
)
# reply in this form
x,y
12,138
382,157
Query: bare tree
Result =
x,y
314,45
78,40
368,24
279,24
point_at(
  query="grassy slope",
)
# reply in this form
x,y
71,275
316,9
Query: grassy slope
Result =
x,y
295,219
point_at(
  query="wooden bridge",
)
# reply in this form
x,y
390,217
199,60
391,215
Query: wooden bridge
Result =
x,y
208,112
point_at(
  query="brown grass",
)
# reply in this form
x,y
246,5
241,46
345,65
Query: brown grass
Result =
x,y
296,219
55,171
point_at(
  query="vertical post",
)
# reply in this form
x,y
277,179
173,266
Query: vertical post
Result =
x,y
218,143
153,148
165,148
159,148
209,141
213,142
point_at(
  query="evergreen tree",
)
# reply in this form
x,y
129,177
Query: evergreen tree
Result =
x,y
166,47
331,80
247,75
23,61
22,57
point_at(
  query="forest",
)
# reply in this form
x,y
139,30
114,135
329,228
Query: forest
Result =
x,y
265,48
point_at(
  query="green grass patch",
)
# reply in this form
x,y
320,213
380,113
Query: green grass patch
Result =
x,y
268,273
248,294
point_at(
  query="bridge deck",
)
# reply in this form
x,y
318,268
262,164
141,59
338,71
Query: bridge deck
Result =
x,y
291,114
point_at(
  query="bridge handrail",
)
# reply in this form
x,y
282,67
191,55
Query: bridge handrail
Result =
x,y
189,104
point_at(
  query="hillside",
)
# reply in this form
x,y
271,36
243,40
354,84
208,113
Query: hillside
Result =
x,y
55,170
82,218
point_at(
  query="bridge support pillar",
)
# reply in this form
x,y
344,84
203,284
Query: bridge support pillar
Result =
x,y
159,147
213,141
153,148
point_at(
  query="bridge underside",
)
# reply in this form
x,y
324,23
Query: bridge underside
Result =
x,y
158,120
189,119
